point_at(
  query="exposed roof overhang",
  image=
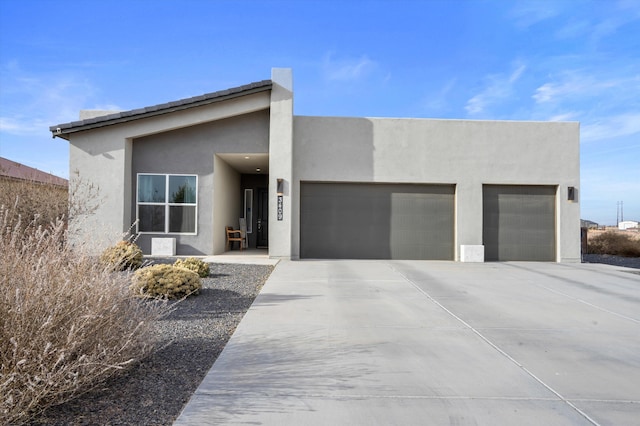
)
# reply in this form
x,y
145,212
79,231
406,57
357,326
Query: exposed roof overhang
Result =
x,y
63,130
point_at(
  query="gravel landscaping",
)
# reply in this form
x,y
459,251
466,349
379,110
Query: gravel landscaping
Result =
x,y
189,341
627,262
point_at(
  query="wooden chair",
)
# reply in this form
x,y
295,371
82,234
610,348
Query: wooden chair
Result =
x,y
234,235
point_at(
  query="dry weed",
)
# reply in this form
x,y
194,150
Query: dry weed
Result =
x,y
39,202
614,243
66,322
45,203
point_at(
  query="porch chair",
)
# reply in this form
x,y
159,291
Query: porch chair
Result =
x,y
234,235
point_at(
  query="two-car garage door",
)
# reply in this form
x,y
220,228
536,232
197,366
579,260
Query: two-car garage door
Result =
x,y
376,221
416,221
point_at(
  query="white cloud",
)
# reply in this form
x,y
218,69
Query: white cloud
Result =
x,y
347,69
29,104
499,87
595,31
515,75
611,127
567,116
437,103
550,92
571,84
574,29
528,13
477,104
625,13
9,125
24,125
576,85
605,103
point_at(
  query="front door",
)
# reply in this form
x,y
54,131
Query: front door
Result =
x,y
263,218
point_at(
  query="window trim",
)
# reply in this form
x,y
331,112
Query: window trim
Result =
x,y
167,205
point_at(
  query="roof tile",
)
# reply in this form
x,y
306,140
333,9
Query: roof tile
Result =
x,y
134,114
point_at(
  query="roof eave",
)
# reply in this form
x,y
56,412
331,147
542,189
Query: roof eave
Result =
x,y
64,130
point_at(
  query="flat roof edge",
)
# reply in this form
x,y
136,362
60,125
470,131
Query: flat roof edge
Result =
x,y
466,120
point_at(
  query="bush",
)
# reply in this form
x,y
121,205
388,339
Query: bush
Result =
x,y
165,281
42,204
67,323
196,265
614,243
123,256
34,201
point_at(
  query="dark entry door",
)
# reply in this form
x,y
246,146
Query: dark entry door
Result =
x,y
263,218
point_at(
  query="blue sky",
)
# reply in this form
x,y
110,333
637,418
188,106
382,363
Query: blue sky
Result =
x,y
506,60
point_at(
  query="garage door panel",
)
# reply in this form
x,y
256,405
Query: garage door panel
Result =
x,y
376,221
519,222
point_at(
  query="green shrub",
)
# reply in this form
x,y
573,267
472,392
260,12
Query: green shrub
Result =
x,y
165,281
614,243
122,256
196,265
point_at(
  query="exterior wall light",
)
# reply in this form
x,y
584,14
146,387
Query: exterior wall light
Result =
x,y
280,186
572,194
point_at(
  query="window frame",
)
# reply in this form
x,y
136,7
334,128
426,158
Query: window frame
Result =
x,y
166,204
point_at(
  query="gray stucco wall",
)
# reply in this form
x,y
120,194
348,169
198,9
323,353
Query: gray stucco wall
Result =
x,y
281,142
99,170
227,205
191,151
465,153
103,158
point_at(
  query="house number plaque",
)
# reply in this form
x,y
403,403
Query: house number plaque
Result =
x,y
280,207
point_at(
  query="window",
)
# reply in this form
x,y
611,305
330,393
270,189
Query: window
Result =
x,y
248,209
167,204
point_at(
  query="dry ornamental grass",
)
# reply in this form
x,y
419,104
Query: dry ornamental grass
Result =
x,y
614,243
67,323
40,203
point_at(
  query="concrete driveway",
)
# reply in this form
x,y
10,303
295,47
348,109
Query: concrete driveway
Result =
x,y
431,343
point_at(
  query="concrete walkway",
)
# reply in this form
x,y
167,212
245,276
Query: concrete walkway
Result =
x,y
245,257
431,343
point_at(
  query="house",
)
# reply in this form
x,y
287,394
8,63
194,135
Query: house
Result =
x,y
584,223
330,187
17,172
36,197
627,224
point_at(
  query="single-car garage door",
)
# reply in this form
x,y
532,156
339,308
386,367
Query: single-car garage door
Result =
x,y
376,221
519,222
